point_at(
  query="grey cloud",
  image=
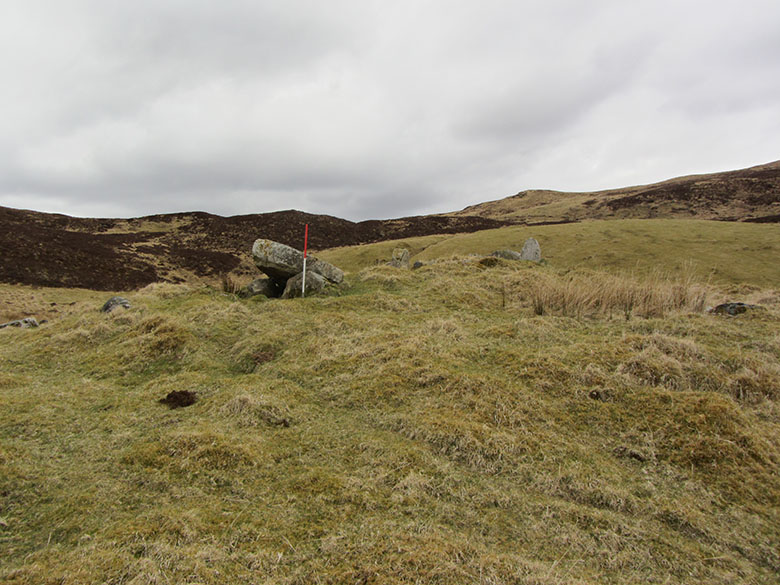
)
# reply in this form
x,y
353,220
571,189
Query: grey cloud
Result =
x,y
549,100
368,109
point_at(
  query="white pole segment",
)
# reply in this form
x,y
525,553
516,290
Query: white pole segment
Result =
x,y
303,285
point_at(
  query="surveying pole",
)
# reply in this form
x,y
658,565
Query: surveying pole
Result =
x,y
305,245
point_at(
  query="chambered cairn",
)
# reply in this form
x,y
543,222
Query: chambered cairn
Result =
x,y
283,267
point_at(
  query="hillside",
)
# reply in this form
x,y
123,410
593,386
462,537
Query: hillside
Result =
x,y
468,422
124,254
718,252
745,195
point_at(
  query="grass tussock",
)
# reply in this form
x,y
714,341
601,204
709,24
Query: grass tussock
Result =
x,y
250,411
459,423
162,336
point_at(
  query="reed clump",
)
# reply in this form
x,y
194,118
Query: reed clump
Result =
x,y
588,294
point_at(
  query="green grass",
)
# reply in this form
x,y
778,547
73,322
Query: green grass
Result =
x,y
724,252
425,426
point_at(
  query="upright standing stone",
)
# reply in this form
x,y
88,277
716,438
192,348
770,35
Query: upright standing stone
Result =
x,y
531,250
400,258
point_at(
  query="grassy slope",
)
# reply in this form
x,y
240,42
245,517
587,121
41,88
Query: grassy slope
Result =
x,y
427,426
722,251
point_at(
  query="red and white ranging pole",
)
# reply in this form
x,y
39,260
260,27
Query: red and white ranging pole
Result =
x,y
305,246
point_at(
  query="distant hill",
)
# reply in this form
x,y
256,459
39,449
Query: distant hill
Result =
x,y
120,254
746,195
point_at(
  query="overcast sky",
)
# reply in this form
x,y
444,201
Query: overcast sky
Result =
x,y
374,109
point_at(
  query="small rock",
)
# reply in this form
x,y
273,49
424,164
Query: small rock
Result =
x,y
25,323
733,308
417,265
314,284
114,303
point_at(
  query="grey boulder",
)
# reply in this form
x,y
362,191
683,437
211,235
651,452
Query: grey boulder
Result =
x,y
314,283
507,255
115,303
326,270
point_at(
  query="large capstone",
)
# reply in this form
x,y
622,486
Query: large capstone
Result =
x,y
281,262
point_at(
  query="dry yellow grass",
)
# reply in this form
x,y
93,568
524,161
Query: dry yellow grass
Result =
x,y
426,426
